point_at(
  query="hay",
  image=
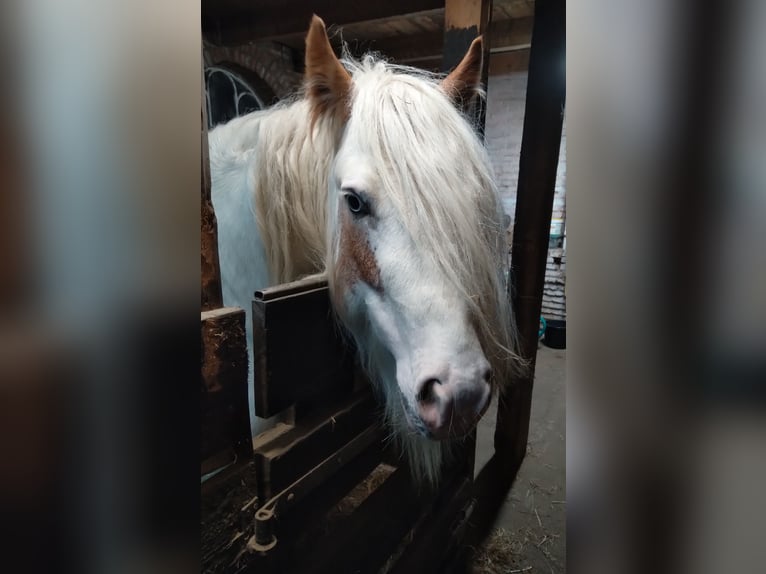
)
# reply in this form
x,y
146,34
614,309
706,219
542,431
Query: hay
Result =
x,y
501,553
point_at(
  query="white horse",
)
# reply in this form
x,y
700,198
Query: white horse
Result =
x,y
375,176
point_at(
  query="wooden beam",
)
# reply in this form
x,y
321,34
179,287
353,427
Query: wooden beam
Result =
x,y
503,35
541,140
225,435
212,298
371,32
507,62
232,22
405,49
509,33
281,458
465,20
429,64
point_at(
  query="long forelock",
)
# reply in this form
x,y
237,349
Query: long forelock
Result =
x,y
436,173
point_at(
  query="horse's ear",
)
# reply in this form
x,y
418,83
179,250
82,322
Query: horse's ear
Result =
x,y
463,83
327,82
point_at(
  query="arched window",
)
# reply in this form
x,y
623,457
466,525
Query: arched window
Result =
x,y
232,91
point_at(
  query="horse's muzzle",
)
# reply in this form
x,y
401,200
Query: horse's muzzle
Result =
x,y
450,409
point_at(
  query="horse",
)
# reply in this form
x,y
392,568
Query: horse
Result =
x,y
375,176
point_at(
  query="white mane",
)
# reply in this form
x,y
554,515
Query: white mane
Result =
x,y
431,166
286,168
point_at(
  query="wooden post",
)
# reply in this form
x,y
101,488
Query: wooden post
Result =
x,y
464,20
212,297
537,179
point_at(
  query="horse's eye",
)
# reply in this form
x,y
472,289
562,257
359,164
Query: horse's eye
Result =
x,y
356,204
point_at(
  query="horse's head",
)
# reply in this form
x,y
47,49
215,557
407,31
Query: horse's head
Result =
x,y
416,253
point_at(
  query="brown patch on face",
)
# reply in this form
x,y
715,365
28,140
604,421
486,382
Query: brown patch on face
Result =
x,y
356,260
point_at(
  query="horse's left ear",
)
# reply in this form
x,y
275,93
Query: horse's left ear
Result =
x,y
328,84
463,83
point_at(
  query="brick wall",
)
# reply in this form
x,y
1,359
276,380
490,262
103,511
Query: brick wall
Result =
x,y
506,95
273,63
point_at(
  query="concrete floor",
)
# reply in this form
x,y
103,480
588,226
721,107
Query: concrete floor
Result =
x,y
529,535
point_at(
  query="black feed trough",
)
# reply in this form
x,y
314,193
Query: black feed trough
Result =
x,y
556,334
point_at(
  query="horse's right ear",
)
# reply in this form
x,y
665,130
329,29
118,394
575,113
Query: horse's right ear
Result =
x,y
327,82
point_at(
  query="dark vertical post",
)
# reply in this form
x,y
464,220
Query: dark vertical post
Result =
x,y
464,20
212,297
537,179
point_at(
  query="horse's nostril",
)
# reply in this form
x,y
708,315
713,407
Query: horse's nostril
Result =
x,y
426,392
487,376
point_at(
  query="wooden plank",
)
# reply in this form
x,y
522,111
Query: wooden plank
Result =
x,y
385,517
225,419
507,62
305,285
534,205
509,33
430,45
514,8
362,36
439,529
406,49
406,521
431,64
232,22
299,351
306,529
439,532
212,297
285,501
464,20
283,457
391,515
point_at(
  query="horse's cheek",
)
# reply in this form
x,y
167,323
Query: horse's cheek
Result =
x,y
356,261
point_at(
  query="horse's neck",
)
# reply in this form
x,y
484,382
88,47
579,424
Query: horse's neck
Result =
x,y
285,170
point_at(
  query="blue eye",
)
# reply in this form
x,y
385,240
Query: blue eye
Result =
x,y
356,204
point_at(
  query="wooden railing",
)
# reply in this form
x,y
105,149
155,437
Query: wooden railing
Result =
x,y
310,493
